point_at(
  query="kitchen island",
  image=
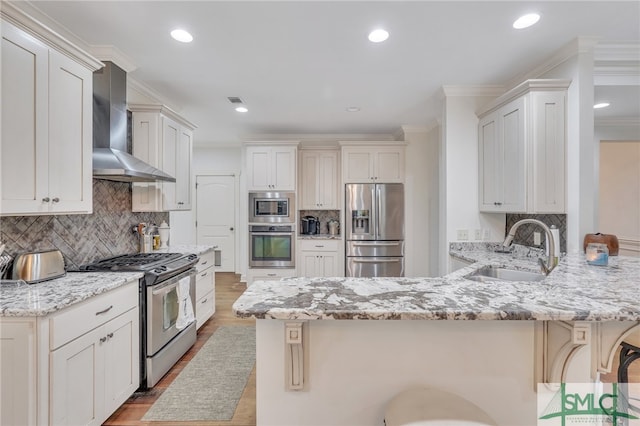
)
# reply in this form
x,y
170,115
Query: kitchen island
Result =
x,y
494,356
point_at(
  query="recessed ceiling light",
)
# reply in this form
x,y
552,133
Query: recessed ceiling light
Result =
x,y
182,36
242,109
352,109
601,105
526,21
378,35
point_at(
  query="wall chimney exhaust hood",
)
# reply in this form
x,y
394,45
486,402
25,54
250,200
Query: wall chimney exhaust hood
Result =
x,y
111,161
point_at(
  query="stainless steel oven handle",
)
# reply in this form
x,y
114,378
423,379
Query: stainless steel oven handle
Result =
x,y
271,233
164,289
376,261
376,244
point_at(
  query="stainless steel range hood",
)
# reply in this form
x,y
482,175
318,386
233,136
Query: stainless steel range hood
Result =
x,y
111,161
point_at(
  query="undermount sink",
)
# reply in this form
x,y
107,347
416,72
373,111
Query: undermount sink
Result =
x,y
493,273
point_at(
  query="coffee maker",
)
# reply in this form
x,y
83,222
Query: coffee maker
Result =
x,y
310,225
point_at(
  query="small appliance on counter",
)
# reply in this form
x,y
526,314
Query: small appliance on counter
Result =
x,y
333,226
38,266
310,225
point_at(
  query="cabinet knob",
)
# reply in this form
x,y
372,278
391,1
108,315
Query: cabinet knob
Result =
x,y
46,199
103,339
109,336
231,229
55,200
497,203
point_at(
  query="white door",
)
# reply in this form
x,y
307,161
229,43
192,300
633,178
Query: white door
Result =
x,y
215,216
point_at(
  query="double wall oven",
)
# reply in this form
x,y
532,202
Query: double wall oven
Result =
x,y
162,342
271,230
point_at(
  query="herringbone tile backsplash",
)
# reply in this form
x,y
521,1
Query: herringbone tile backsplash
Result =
x,y
525,232
82,238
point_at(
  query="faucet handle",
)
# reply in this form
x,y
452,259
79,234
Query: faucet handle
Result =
x,y
543,266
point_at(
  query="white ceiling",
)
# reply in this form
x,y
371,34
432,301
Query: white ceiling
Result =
x,y
299,64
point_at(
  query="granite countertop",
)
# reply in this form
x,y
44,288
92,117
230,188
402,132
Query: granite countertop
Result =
x,y
18,299
574,290
319,237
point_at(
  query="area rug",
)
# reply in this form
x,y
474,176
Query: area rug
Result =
x,y
211,384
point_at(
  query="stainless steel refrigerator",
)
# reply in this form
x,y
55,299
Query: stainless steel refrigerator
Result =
x,y
374,220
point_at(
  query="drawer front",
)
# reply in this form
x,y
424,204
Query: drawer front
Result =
x,y
318,245
204,283
77,320
205,307
206,261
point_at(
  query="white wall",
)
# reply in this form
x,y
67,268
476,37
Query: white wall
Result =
x,y
417,233
459,176
222,160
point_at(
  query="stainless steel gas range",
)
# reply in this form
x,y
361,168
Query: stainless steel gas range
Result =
x,y
162,341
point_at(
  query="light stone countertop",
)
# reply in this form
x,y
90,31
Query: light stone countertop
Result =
x,y
319,237
574,290
18,299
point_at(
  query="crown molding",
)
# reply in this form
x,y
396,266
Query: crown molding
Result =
x,y
31,20
115,55
621,51
320,137
531,85
582,44
617,122
162,109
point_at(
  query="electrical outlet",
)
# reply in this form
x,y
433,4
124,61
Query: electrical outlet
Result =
x,y
463,235
536,239
477,235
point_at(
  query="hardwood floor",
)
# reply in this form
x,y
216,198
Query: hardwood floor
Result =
x,y
228,289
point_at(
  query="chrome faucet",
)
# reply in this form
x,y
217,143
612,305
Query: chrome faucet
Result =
x,y
551,263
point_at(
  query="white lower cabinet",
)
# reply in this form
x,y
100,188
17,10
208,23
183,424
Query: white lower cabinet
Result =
x,y
17,367
85,364
205,288
95,372
269,274
319,258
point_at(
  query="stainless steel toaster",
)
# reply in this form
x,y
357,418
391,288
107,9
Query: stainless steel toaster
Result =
x,y
38,266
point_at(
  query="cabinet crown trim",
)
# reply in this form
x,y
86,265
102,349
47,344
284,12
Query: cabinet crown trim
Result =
x,y
532,85
271,143
373,143
14,15
162,109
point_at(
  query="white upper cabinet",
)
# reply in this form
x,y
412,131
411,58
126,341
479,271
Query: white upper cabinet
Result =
x,y
372,162
319,179
47,128
522,149
164,140
271,167
502,159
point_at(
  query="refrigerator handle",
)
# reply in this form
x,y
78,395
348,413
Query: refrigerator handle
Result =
x,y
376,244
376,211
376,260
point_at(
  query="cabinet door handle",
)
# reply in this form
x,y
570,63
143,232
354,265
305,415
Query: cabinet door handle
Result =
x,y
105,310
204,275
271,275
46,199
55,200
497,203
109,336
205,262
204,301
320,246
103,339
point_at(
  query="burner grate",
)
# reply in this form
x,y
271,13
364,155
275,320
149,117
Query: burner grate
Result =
x,y
134,262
